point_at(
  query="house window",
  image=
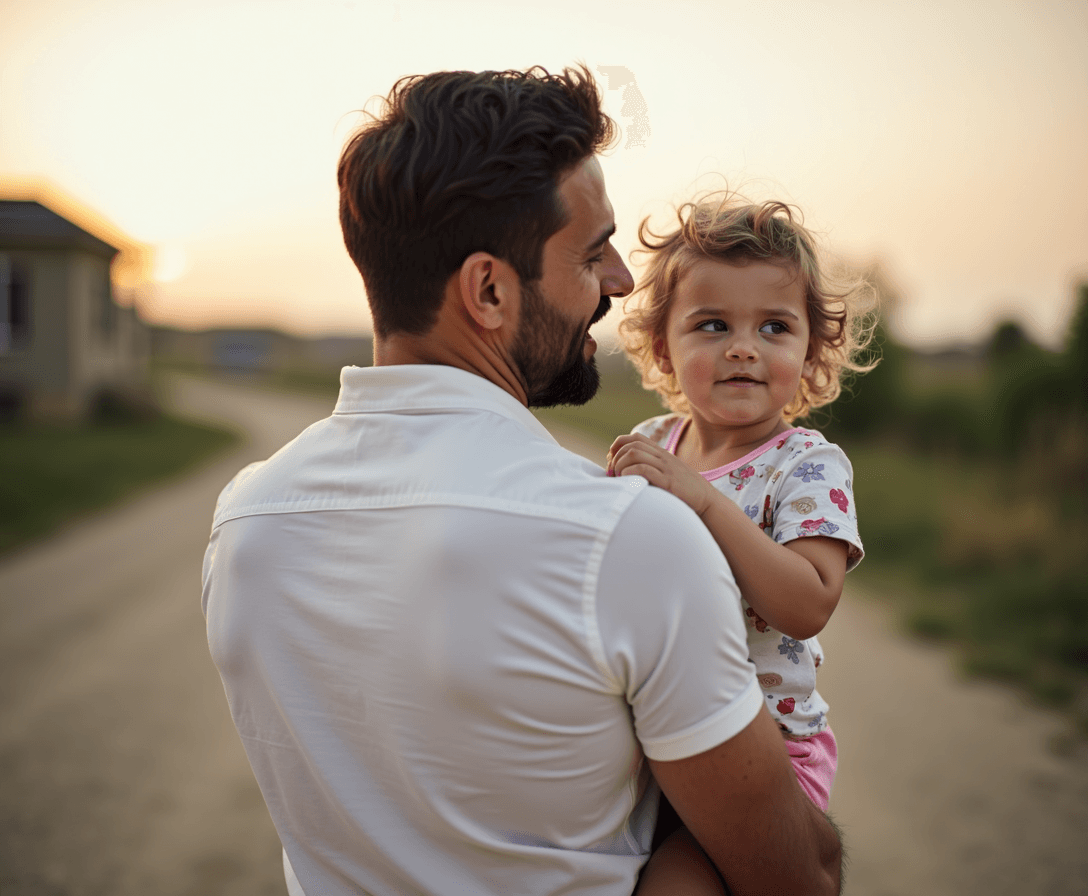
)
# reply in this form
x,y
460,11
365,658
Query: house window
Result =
x,y
107,308
14,306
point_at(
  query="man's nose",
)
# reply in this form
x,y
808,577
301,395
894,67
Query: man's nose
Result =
x,y
617,280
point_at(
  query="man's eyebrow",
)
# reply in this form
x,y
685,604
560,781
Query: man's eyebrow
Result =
x,y
605,236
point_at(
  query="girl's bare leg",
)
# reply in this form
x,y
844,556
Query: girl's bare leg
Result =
x,y
678,867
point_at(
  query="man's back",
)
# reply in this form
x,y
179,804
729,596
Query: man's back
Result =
x,y
403,604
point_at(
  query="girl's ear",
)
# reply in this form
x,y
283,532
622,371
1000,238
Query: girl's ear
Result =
x,y
661,357
809,367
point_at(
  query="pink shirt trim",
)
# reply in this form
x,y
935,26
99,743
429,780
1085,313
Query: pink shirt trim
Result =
x,y
710,475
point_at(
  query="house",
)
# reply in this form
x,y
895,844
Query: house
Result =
x,y
64,340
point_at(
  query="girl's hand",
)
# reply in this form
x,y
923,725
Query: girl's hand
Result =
x,y
636,455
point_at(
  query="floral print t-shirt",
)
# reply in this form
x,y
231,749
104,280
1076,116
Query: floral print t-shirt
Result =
x,y
795,486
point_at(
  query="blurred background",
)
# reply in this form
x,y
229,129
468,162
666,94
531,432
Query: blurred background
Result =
x,y
175,301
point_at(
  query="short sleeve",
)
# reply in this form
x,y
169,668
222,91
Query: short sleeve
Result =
x,y
816,497
668,612
657,429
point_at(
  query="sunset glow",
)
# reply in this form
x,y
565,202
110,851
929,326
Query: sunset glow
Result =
x,y
948,144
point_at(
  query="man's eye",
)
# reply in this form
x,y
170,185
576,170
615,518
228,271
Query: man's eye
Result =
x,y
596,259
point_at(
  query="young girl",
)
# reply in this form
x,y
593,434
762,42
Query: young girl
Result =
x,y
739,329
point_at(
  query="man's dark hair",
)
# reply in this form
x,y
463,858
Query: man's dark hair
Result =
x,y
456,163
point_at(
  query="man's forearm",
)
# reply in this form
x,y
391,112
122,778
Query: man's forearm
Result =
x,y
742,802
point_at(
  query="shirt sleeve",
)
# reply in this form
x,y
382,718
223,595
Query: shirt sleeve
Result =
x,y
816,497
668,611
656,429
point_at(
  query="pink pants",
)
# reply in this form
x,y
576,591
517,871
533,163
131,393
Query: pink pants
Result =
x,y
814,762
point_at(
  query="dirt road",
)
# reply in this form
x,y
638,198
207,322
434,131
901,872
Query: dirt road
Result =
x,y
121,774
120,770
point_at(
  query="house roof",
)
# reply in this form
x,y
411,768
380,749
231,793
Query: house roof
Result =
x,y
30,225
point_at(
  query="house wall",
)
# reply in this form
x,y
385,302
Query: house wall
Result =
x,y
81,342
103,356
39,371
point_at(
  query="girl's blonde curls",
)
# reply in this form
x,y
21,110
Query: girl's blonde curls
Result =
x,y
722,227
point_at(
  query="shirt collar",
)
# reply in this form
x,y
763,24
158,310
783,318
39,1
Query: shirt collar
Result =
x,y
428,387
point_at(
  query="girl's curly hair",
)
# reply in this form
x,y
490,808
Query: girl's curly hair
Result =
x,y
722,227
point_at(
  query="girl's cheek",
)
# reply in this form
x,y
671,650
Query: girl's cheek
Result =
x,y
704,369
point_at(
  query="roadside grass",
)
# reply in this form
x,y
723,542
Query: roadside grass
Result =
x,y
50,475
976,562
304,379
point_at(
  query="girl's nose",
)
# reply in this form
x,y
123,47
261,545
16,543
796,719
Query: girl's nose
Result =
x,y
741,349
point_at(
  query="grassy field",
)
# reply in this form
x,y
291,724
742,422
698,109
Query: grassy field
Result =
x,y
977,562
50,475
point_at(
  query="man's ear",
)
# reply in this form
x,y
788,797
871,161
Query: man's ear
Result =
x,y
489,290
661,356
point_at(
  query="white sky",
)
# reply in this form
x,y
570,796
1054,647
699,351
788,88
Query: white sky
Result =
x,y
950,140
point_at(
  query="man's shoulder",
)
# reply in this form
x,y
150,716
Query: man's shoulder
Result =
x,y
468,457
656,521
557,480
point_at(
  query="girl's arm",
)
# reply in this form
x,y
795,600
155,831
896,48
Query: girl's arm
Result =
x,y
794,587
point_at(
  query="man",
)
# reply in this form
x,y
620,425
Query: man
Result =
x,y
446,642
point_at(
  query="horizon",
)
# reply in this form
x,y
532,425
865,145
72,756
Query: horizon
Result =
x,y
948,147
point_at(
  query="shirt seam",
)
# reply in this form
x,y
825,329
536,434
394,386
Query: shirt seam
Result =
x,y
672,439
588,521
726,469
734,718
590,584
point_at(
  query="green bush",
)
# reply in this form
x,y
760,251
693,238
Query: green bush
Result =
x,y
871,404
52,474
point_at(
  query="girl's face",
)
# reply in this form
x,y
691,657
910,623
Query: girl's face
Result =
x,y
737,340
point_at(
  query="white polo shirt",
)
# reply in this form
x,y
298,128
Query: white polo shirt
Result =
x,y
447,643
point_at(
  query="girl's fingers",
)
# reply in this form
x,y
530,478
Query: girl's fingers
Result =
x,y
618,444
633,463
629,450
629,439
650,473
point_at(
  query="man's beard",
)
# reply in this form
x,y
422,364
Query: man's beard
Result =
x,y
553,363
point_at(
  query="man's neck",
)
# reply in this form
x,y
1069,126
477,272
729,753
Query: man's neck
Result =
x,y
452,345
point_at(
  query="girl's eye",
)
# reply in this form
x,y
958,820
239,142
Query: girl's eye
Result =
x,y
712,326
774,327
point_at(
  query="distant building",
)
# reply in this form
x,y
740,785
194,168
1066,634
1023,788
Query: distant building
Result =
x,y
64,340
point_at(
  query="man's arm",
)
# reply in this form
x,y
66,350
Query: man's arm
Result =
x,y
673,636
742,803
